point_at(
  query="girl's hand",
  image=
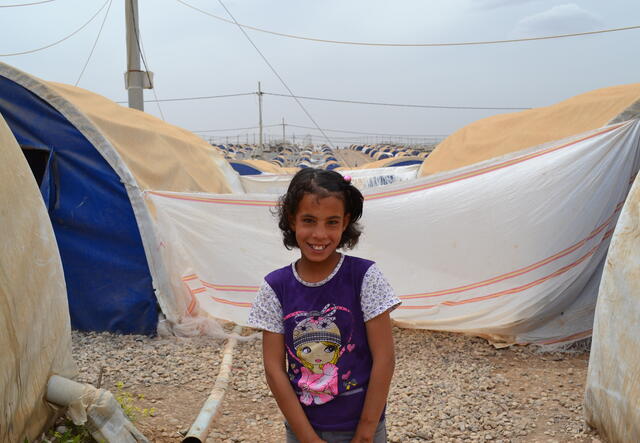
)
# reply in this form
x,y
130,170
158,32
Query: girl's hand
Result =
x,y
359,438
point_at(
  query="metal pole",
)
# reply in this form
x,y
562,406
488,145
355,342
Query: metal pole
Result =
x,y
283,135
260,116
133,76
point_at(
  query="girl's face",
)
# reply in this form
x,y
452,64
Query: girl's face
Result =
x,y
318,353
318,225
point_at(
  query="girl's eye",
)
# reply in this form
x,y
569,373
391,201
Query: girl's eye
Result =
x,y
329,349
306,350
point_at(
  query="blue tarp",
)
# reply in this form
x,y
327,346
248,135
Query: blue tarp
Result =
x,y
244,169
106,272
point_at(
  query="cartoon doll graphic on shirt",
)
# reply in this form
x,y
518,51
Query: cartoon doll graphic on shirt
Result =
x,y
317,345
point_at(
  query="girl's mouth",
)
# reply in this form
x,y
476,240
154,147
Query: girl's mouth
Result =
x,y
318,360
317,247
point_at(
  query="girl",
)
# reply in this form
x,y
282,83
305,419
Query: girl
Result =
x,y
327,343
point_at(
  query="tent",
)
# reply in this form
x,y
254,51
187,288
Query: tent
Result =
x,y
392,162
510,248
254,167
34,319
501,134
92,159
612,396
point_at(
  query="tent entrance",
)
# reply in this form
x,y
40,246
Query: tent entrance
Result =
x,y
38,160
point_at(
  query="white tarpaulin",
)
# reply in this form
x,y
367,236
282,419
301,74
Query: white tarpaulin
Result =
x,y
510,248
612,397
361,178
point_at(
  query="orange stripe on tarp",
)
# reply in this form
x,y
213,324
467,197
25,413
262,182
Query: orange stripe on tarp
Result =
x,y
222,201
230,302
576,336
517,288
193,303
484,170
190,277
232,288
517,272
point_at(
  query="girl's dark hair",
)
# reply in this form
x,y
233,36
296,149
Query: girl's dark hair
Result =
x,y
322,183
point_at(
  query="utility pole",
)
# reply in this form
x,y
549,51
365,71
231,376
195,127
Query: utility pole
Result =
x,y
135,80
260,117
283,135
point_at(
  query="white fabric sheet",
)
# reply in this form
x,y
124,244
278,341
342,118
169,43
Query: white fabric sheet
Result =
x,y
510,248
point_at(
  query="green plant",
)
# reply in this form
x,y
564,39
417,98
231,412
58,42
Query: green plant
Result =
x,y
127,402
73,434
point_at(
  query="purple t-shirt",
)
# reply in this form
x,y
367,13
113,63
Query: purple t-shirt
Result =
x,y
328,356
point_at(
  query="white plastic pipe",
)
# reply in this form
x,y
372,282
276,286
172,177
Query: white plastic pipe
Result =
x,y
62,391
200,427
98,406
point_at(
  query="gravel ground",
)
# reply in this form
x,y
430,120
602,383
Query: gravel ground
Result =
x,y
447,387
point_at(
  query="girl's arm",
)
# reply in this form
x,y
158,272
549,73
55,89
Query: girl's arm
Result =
x,y
381,344
275,370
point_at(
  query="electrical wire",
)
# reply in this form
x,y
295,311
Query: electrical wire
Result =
x,y
487,42
275,72
364,133
106,14
61,40
399,104
237,129
144,60
179,99
27,4
359,102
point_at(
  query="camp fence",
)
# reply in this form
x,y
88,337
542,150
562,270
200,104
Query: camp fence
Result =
x,y
511,248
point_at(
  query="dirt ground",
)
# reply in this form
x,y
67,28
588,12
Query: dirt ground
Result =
x,y
543,389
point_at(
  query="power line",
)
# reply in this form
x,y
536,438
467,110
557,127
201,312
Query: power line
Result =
x,y
106,14
398,104
207,97
237,129
61,40
274,71
359,102
27,4
324,129
487,42
136,31
368,133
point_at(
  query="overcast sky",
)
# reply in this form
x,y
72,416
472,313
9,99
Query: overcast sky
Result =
x,y
192,54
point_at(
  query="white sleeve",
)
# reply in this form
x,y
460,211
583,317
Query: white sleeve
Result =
x,y
266,312
377,295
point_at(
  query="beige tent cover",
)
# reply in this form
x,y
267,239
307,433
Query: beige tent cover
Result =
x,y
34,316
159,155
263,166
388,162
612,396
501,134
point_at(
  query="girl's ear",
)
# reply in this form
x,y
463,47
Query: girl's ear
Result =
x,y
292,223
345,222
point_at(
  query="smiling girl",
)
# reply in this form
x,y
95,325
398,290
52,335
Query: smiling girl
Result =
x,y
327,343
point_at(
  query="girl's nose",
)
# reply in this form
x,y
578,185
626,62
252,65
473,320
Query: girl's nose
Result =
x,y
319,232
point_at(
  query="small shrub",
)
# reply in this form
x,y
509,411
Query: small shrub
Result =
x,y
127,402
